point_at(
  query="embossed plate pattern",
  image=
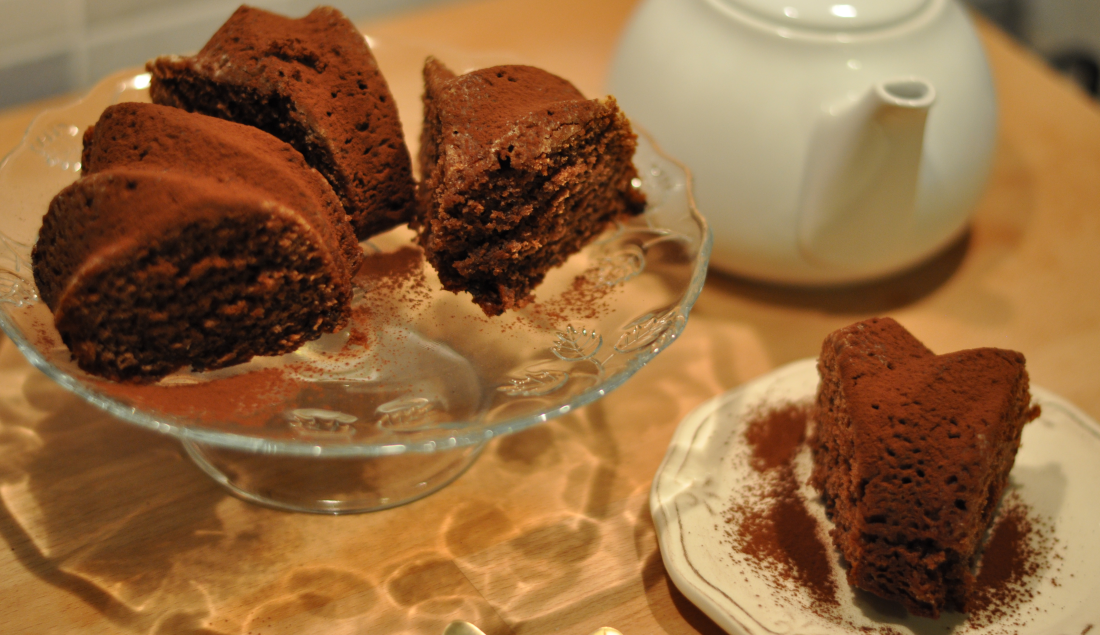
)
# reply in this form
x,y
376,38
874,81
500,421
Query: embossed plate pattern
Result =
x,y
701,477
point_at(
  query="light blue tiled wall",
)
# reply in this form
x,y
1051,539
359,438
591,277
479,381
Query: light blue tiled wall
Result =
x,y
51,46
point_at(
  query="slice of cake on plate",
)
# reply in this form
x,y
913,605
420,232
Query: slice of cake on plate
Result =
x,y
912,452
519,171
314,83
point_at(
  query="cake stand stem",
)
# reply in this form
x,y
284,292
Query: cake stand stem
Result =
x,y
323,485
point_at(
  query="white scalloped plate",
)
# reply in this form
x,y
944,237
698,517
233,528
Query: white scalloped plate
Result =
x,y
1056,476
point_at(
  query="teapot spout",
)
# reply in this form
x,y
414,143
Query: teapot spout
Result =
x,y
858,199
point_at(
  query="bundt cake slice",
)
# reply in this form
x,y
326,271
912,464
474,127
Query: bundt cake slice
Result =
x,y
519,171
191,241
163,139
911,453
314,83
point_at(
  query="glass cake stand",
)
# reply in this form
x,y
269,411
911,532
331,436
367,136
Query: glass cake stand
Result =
x,y
402,401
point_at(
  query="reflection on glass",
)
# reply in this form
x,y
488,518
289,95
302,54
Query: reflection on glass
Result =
x,y
843,10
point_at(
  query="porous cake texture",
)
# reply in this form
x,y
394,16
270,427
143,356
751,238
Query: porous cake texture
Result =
x,y
191,241
912,452
519,171
314,83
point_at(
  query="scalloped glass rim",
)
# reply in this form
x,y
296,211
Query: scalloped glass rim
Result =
x,y
130,85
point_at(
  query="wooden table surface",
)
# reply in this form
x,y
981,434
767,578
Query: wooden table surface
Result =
x,y
108,528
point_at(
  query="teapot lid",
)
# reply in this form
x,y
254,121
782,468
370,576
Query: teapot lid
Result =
x,y
830,15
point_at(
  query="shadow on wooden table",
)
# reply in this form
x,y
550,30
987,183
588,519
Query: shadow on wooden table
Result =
x,y
127,531
658,583
90,503
875,297
549,532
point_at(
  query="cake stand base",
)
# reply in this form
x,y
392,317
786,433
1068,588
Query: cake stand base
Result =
x,y
331,485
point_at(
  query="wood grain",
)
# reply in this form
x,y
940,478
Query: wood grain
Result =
x,y
109,529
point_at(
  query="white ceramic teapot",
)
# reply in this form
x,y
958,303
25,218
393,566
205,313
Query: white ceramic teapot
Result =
x,y
831,141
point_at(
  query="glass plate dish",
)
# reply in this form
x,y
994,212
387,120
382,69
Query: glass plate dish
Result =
x,y
401,402
705,475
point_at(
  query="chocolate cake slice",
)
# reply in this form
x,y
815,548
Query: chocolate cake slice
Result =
x,y
519,171
314,83
191,241
912,452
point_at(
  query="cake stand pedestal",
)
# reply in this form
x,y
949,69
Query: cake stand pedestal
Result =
x,y
339,485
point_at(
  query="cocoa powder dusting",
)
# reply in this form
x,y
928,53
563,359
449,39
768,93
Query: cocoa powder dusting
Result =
x,y
1016,552
783,542
784,534
775,436
397,280
586,298
392,271
248,399
781,537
